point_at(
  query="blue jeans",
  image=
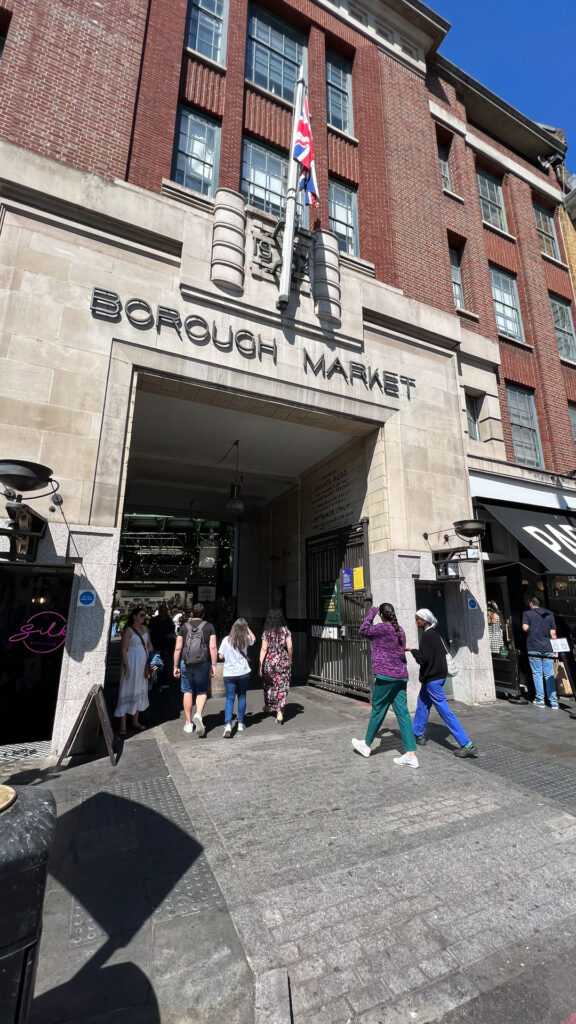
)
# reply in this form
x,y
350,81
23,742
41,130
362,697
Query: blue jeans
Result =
x,y
432,693
236,685
542,668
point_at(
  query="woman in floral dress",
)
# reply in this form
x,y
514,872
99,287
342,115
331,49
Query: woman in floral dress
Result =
x,y
276,663
134,650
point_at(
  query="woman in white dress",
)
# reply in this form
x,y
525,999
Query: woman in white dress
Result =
x,y
134,649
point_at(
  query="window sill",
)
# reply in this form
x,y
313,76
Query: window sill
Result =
x,y
173,190
498,231
568,362
467,314
203,59
269,95
343,135
358,264
515,341
554,261
452,195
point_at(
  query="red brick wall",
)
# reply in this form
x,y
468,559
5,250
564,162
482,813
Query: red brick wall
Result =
x,y
98,87
68,78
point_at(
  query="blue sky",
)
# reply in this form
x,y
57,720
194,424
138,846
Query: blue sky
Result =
x,y
506,46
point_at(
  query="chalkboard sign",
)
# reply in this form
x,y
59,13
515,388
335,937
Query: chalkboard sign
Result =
x,y
83,738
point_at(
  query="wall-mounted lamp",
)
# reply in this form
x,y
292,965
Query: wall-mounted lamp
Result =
x,y
26,525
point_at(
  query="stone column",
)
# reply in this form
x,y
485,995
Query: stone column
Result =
x,y
229,240
327,302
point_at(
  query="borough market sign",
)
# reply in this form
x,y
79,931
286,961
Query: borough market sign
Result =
x,y
107,305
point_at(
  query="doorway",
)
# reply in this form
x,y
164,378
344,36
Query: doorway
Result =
x,y
34,604
430,595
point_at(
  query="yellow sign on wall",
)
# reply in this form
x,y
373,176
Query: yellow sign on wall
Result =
x,y
358,577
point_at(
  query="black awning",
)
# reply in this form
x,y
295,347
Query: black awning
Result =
x,y
549,536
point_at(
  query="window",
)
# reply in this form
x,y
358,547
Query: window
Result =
x,y
564,328
506,304
2,42
274,54
443,155
206,28
546,231
342,212
196,159
473,406
264,173
491,200
339,92
455,261
525,434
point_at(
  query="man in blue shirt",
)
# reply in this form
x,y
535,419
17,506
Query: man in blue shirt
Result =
x,y
540,628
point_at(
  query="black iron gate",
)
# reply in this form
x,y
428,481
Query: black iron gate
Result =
x,y
338,658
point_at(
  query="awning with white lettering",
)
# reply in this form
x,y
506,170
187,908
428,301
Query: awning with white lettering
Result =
x,y
549,536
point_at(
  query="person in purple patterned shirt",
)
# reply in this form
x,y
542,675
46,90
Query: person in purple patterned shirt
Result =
x,y
388,643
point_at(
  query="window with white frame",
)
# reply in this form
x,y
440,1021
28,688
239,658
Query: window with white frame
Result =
x,y
524,426
491,199
274,53
339,92
506,304
207,28
572,411
546,231
456,272
473,407
197,152
342,212
564,328
443,161
264,173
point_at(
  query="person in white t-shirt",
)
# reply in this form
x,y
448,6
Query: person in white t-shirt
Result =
x,y
232,652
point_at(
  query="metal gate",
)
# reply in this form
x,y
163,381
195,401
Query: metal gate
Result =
x,y
338,658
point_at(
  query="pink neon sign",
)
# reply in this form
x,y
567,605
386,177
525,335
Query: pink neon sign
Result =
x,y
43,633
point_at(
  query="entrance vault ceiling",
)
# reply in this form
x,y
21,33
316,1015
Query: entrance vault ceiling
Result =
x,y
180,462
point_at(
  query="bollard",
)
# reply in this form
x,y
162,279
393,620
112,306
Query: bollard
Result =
x,y
27,822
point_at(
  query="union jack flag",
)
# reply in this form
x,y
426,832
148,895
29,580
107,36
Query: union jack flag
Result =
x,y
304,154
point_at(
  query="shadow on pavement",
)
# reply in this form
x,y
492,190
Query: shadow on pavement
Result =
x,y
119,860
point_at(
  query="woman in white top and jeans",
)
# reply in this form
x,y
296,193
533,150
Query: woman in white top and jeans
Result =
x,y
233,650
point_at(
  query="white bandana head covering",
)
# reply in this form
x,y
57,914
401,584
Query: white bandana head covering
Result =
x,y
426,615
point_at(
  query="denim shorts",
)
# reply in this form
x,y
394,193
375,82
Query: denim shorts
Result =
x,y
195,678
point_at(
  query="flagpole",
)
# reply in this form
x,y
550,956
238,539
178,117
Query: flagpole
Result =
x,y
290,208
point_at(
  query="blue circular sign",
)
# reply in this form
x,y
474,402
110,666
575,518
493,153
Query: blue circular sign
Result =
x,y
472,603
86,597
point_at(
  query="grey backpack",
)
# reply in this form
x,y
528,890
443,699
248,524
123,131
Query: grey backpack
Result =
x,y
195,650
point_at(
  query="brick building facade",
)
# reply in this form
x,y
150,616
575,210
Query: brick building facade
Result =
x,y
151,127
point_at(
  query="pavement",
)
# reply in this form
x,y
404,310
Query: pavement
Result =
x,y
278,876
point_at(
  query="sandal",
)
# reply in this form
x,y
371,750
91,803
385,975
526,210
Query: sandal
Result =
x,y
138,727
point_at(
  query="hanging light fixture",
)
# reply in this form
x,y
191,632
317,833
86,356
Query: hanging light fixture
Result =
x,y
235,503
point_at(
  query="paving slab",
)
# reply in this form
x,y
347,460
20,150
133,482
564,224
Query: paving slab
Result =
x,y
338,888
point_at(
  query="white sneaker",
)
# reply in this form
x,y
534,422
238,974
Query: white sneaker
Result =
x,y
362,747
200,727
409,760
227,731
188,727
241,726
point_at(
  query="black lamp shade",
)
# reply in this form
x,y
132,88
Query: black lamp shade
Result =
x,y
24,476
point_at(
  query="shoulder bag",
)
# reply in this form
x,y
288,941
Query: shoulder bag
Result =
x,y
451,666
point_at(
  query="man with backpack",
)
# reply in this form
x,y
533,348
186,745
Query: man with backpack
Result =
x,y
197,649
540,627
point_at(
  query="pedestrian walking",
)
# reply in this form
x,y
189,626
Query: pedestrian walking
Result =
x,y
388,649
195,649
431,656
275,663
134,649
163,640
233,651
539,625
